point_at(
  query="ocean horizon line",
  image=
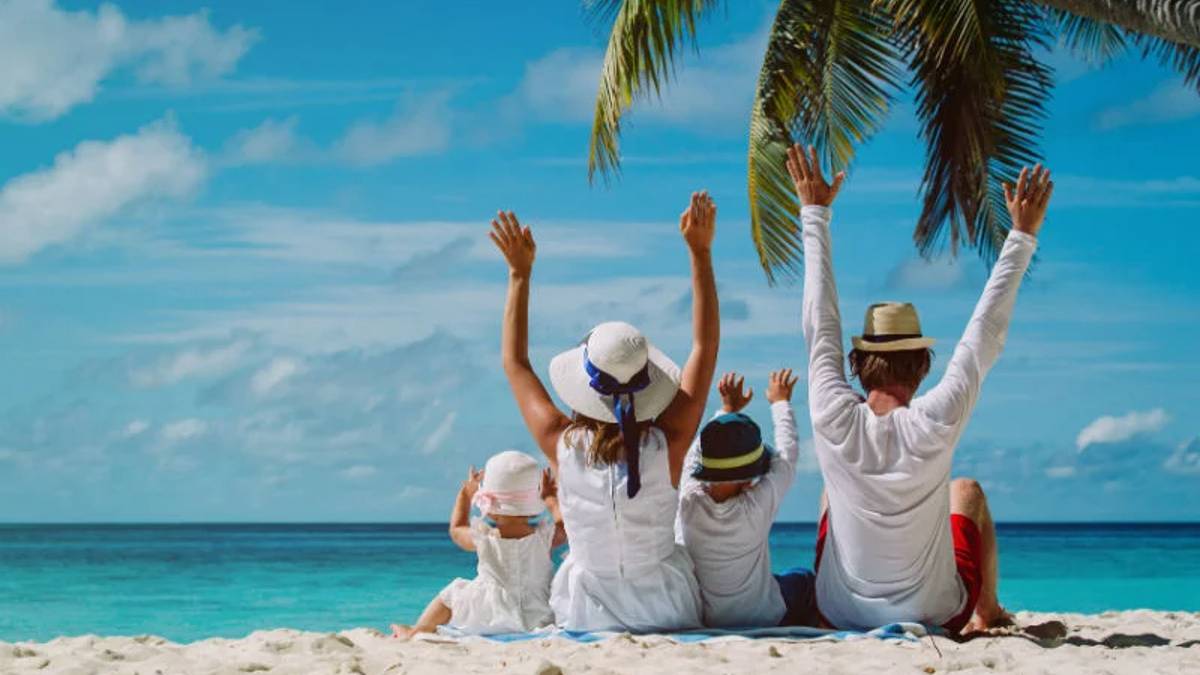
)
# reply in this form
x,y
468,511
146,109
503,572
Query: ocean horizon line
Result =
x,y
443,524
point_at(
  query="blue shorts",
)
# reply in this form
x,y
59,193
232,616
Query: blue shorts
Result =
x,y
799,589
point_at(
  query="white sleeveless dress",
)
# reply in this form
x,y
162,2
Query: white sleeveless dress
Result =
x,y
511,592
624,571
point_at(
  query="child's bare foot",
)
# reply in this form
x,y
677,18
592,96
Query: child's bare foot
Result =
x,y
402,632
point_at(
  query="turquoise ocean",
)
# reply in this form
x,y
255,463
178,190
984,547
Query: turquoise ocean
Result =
x,y
186,582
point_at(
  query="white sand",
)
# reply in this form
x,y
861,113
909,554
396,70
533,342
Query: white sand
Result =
x,y
1114,642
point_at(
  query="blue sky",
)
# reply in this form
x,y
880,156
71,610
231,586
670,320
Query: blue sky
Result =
x,y
244,272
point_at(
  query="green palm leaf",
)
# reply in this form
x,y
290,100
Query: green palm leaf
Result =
x,y
1100,42
828,77
980,96
642,46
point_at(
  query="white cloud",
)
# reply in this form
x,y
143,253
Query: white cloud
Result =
x,y
272,141
358,472
1169,103
714,89
434,441
273,374
93,182
184,430
1108,429
421,127
920,274
135,428
1185,459
1060,471
209,361
52,60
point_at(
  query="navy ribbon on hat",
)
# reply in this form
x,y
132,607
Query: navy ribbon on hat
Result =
x,y
623,409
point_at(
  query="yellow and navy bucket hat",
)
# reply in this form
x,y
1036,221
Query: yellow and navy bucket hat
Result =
x,y
731,449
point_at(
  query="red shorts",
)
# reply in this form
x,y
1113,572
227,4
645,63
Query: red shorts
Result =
x,y
968,556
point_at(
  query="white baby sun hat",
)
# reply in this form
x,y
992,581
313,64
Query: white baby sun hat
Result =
x,y
512,486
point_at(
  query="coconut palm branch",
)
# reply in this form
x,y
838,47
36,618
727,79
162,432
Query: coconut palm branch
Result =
x,y
980,95
829,74
646,35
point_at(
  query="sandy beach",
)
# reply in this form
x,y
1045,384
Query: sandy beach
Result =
x,y
1114,642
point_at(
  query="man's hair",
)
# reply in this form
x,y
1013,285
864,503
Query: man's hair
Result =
x,y
876,370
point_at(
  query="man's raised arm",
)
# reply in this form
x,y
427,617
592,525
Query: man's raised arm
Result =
x,y
952,400
822,322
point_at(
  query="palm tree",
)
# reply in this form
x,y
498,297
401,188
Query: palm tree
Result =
x,y
832,69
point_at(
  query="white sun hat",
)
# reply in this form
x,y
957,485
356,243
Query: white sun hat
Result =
x,y
617,352
891,327
512,486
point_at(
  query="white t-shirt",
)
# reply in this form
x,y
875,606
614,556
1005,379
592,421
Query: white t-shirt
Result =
x,y
889,555
728,540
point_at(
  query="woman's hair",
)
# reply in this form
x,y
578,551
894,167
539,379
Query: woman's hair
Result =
x,y
876,370
607,447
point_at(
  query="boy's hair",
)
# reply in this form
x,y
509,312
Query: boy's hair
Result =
x,y
876,370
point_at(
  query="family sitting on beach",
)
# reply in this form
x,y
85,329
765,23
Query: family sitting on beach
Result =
x,y
669,531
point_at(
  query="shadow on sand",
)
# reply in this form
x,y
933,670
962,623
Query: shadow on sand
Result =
x,y
1051,634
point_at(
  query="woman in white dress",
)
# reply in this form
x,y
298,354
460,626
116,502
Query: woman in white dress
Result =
x,y
510,593
618,457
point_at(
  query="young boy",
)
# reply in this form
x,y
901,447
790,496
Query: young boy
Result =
x,y
731,489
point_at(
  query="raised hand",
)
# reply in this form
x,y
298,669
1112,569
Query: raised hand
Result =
x,y
471,485
780,384
698,223
733,398
805,170
1027,202
515,242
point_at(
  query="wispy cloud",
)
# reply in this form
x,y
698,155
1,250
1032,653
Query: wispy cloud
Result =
x,y
201,361
270,142
1109,429
1185,459
94,182
561,87
1170,102
419,125
52,59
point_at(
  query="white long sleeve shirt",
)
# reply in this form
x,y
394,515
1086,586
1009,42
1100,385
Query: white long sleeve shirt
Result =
x,y
889,555
728,540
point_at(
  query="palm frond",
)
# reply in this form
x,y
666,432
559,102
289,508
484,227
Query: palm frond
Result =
x,y
645,38
1100,42
828,77
980,96
1095,41
1183,58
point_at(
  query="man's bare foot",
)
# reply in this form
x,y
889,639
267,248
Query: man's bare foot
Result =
x,y
402,632
982,622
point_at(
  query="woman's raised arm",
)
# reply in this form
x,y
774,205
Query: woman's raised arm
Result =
x,y
545,421
681,419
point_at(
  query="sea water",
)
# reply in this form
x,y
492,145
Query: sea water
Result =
x,y
187,582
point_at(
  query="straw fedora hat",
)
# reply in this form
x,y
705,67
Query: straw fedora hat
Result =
x,y
891,327
620,351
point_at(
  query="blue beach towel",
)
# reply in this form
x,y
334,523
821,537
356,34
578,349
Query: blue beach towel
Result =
x,y
902,632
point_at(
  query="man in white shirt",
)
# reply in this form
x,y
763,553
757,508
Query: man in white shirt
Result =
x,y
898,541
731,489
